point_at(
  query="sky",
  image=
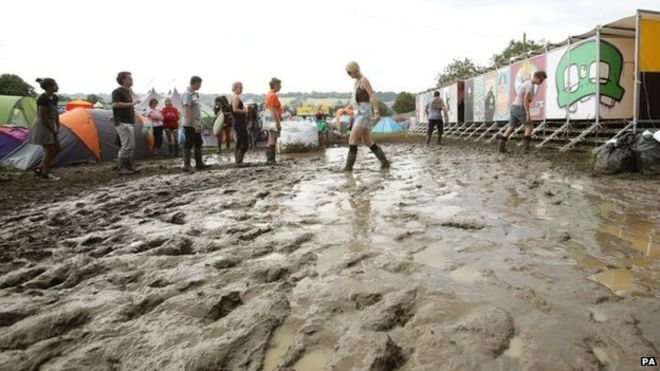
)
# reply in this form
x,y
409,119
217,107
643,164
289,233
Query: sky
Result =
x,y
400,45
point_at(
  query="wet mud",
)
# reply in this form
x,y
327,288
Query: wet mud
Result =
x,y
457,258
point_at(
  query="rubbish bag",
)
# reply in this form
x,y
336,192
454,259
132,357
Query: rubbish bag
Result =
x,y
616,156
648,153
298,137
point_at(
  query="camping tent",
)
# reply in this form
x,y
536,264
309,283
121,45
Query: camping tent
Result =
x,y
17,111
12,137
77,103
86,136
98,105
387,125
143,107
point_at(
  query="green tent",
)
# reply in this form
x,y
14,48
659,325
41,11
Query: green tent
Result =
x,y
17,111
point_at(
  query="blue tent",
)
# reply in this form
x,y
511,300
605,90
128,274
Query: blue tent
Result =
x,y
387,125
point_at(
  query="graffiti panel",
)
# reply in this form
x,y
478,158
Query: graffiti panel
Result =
x,y
469,100
552,110
489,96
479,99
503,88
523,71
572,82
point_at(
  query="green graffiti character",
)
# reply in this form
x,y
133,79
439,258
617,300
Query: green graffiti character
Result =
x,y
583,65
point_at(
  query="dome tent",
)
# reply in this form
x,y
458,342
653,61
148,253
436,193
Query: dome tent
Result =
x,y
17,111
86,136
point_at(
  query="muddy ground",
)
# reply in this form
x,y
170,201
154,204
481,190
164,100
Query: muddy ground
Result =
x,y
457,258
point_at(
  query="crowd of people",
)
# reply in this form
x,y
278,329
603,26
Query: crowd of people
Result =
x,y
233,115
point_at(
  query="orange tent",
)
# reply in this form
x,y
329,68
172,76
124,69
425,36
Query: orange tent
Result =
x,y
78,103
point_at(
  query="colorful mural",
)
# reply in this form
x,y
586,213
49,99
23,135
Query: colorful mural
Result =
x,y
572,80
490,90
503,99
523,71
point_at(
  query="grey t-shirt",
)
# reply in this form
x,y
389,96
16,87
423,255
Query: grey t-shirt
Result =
x,y
435,108
191,98
525,87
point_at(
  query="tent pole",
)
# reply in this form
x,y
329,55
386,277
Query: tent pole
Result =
x,y
637,82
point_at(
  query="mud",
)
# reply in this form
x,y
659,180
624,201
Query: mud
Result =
x,y
456,258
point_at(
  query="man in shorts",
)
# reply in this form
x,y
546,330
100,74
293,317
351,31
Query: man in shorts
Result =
x,y
520,112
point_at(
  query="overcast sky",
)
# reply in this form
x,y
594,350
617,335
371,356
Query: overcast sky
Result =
x,y
401,45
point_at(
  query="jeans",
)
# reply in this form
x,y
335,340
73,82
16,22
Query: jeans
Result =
x,y
158,136
242,139
126,134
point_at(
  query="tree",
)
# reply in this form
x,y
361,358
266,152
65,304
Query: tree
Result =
x,y
93,98
404,102
516,48
14,85
383,109
457,70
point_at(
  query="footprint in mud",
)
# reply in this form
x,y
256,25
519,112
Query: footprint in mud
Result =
x,y
397,310
35,329
174,247
225,306
363,300
144,306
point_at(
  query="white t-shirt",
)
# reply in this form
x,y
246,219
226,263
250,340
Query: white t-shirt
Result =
x,y
525,87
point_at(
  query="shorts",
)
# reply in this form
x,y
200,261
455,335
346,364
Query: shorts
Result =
x,y
433,124
362,116
518,116
273,134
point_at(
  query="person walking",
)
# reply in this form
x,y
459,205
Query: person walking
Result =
x,y
520,112
239,114
155,119
124,117
46,127
192,126
273,107
435,110
171,126
365,112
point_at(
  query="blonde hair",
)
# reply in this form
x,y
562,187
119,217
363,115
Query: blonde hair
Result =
x,y
168,99
235,86
353,67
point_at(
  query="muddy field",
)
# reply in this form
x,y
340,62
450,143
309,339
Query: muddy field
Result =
x,y
457,258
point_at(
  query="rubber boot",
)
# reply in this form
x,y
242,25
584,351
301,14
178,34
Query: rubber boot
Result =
x,y
380,155
240,153
270,155
439,139
124,167
131,165
219,148
176,150
199,160
186,161
428,140
170,149
526,143
350,159
502,144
